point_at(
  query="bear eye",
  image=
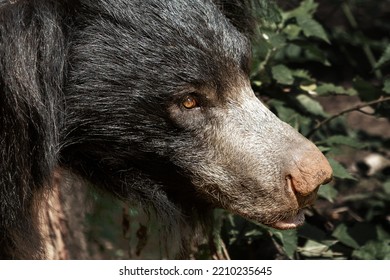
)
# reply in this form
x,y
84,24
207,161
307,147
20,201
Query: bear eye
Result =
x,y
190,102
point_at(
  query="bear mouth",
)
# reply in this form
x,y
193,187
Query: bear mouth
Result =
x,y
290,222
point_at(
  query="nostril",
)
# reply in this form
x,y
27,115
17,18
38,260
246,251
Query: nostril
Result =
x,y
290,184
307,171
303,186
304,199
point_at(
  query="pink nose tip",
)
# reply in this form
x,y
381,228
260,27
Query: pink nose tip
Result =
x,y
309,170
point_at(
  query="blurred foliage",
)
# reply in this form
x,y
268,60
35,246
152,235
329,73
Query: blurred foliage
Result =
x,y
305,54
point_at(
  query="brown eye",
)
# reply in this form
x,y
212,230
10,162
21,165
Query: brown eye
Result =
x,y
190,102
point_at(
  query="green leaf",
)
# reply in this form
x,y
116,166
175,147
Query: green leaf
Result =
x,y
385,58
328,192
261,51
302,74
314,249
382,233
342,234
373,250
315,54
277,40
339,171
386,86
326,88
308,88
324,149
344,140
289,115
366,91
253,233
292,31
386,187
311,105
311,28
257,83
282,74
292,51
267,11
306,7
288,240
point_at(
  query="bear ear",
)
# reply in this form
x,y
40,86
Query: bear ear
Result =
x,y
241,13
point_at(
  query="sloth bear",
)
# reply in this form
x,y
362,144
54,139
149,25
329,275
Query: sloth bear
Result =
x,y
150,101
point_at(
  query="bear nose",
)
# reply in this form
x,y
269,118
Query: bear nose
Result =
x,y
308,170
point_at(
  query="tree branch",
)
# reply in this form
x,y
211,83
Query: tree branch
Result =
x,y
354,108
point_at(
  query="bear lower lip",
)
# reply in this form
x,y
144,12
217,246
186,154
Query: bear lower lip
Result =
x,y
290,222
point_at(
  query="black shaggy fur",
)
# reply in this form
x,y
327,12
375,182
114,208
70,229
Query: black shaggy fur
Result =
x,y
67,69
